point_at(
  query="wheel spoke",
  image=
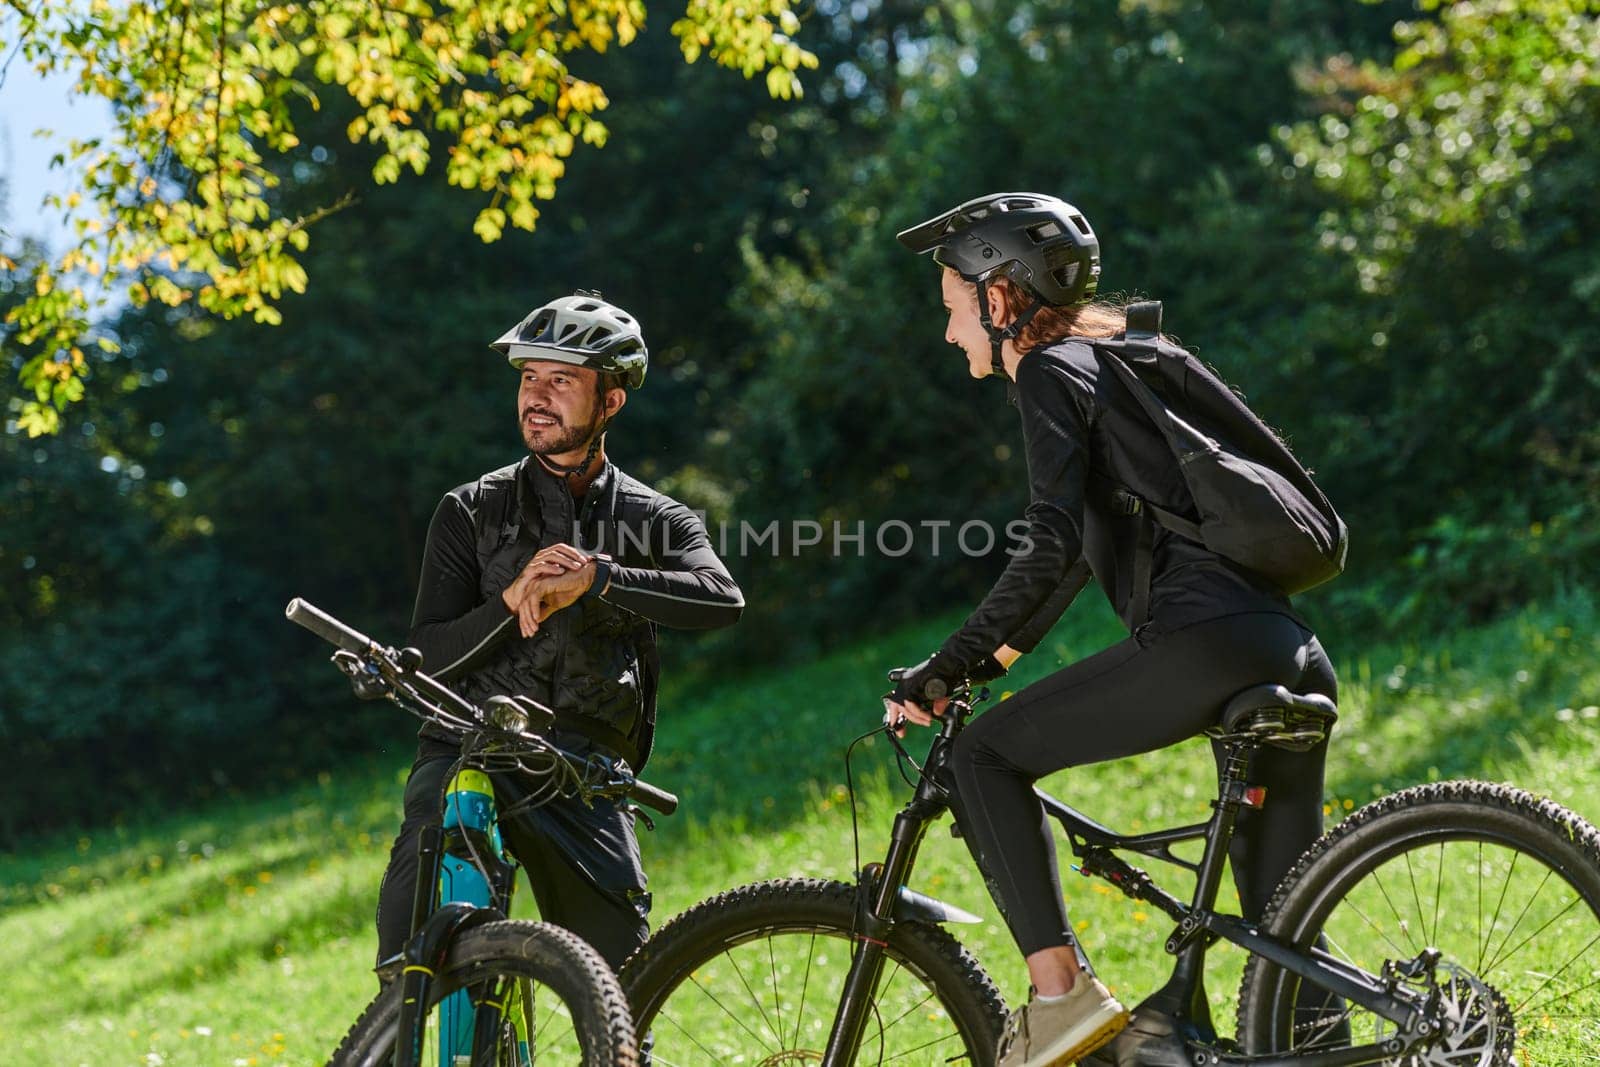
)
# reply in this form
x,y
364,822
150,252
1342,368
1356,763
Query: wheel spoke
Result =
x,y
1498,905
800,1012
1399,952
918,1048
1399,921
655,1055
1477,964
754,999
890,1025
1421,915
777,997
1552,977
794,941
1505,886
725,1009
1503,955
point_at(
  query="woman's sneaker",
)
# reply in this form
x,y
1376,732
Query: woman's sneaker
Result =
x,y
1046,1032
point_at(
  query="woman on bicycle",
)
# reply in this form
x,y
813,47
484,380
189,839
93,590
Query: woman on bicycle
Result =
x,y
1020,270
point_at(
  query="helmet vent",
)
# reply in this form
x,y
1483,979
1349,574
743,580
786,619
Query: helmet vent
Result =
x,y
1081,224
1065,276
535,327
1044,231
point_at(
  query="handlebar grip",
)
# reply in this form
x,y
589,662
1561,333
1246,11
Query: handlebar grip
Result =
x,y
303,613
651,797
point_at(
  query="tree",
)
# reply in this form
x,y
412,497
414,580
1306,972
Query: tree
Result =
x,y
183,204
1458,182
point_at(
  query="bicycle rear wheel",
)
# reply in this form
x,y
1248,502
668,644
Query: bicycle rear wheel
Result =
x,y
1506,885
553,998
754,976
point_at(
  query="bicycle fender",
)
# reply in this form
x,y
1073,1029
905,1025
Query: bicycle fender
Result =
x,y
428,947
424,955
914,906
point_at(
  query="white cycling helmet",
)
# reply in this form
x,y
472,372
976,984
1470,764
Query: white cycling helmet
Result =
x,y
583,330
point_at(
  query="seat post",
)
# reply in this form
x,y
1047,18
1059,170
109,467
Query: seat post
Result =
x,y
1183,995
1231,784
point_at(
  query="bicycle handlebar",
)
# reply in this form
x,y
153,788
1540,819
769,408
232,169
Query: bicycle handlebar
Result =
x,y
325,626
423,686
651,797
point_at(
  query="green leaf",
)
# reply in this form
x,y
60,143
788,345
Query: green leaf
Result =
x,y
490,224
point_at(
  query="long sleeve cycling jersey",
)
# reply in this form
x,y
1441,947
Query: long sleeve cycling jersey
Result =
x,y
593,661
1084,434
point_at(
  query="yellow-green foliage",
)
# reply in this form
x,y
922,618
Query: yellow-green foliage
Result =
x,y
178,203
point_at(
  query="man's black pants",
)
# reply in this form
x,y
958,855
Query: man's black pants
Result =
x,y
583,863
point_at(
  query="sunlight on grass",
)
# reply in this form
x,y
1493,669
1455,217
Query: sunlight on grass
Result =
x,y
243,935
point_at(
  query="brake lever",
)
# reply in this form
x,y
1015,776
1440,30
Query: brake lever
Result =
x,y
365,678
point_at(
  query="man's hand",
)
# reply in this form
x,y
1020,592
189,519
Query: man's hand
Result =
x,y
552,579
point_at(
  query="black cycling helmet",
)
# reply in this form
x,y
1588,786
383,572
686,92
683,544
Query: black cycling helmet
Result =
x,y
583,330
1043,244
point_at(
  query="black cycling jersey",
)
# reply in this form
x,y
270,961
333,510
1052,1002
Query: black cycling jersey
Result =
x,y
594,661
1085,435
678,581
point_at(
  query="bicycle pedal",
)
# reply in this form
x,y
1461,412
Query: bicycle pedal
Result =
x,y
1149,1040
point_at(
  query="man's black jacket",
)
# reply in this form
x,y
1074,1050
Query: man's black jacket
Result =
x,y
594,662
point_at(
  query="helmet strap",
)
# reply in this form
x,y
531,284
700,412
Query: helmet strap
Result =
x,y
997,336
570,472
596,439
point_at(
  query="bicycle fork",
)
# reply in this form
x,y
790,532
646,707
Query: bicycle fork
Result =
x,y
463,879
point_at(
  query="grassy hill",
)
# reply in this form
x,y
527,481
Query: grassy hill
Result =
x,y
243,935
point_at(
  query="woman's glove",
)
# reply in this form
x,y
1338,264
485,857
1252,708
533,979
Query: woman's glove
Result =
x,y
935,677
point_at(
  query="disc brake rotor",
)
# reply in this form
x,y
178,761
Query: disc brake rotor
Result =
x,y
1481,1032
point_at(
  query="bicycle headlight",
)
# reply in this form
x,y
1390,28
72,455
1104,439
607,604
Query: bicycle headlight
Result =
x,y
504,714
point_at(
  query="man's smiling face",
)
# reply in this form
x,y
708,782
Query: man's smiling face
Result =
x,y
556,406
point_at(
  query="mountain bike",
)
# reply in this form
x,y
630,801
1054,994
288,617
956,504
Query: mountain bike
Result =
x,y
1456,923
472,988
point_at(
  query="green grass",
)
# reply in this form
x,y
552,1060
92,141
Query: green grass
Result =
x,y
243,935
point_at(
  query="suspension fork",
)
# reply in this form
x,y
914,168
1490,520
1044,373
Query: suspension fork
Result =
x,y
875,915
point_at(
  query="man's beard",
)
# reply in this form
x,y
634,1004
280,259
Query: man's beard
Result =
x,y
570,438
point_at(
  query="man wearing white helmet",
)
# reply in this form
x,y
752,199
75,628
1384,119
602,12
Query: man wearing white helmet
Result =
x,y
548,578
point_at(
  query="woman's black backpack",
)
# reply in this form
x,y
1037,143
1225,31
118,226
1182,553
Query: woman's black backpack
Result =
x,y
1256,504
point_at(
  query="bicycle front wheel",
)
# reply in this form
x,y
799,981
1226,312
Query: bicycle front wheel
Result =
x,y
754,976
1504,884
541,996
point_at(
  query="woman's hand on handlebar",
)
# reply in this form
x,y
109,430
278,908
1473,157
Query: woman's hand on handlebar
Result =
x,y
896,714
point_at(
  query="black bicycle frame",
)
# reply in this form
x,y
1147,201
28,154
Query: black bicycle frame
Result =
x,y
1198,924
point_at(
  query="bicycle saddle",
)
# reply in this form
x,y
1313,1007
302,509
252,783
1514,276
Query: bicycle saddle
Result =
x,y
1272,715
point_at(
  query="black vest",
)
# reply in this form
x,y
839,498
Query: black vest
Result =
x,y
594,664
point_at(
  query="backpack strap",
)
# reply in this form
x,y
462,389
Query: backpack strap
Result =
x,y
1141,341
1143,328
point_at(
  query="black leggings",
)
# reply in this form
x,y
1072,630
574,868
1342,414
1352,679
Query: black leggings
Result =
x,y
1138,696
